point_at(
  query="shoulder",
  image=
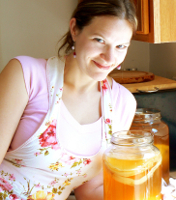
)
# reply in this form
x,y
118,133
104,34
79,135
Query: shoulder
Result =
x,y
124,104
34,72
31,67
27,61
119,92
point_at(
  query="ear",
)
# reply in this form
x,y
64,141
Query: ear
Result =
x,y
73,29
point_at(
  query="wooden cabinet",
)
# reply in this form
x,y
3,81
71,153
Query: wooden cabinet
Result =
x,y
157,21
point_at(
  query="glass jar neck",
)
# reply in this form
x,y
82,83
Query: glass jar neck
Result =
x,y
132,138
146,115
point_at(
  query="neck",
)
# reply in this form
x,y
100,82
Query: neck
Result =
x,y
76,79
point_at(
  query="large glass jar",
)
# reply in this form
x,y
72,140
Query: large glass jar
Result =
x,y
149,119
132,167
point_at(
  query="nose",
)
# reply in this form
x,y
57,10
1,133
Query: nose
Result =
x,y
108,55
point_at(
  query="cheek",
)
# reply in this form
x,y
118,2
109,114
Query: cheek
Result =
x,y
83,47
87,46
121,56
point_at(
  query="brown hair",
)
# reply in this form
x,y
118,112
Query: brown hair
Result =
x,y
86,10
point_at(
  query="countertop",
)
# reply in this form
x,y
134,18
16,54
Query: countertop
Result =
x,y
173,174
159,82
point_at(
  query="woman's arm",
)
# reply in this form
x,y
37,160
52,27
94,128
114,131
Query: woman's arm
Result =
x,y
92,190
13,100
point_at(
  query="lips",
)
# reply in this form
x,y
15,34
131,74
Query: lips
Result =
x,y
102,66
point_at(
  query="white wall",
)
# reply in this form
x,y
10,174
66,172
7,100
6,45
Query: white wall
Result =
x,y
32,27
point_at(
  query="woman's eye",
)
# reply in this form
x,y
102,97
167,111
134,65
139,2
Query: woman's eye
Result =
x,y
99,40
121,46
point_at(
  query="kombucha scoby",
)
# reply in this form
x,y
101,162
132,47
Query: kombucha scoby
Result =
x,y
134,178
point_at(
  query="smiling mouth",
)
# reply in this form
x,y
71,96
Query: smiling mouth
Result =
x,y
102,66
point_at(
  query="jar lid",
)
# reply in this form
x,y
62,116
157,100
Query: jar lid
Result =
x,y
132,138
147,114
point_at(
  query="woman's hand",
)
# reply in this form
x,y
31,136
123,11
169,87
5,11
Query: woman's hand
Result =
x,y
13,100
92,190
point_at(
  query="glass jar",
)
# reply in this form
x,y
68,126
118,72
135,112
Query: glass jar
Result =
x,y
132,167
149,119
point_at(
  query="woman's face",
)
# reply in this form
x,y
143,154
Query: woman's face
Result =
x,y
102,45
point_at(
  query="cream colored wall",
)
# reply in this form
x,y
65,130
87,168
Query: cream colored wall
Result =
x,y
137,56
0,36
163,60
32,27
159,59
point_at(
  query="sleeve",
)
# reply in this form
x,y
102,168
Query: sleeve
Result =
x,y
37,107
124,104
34,75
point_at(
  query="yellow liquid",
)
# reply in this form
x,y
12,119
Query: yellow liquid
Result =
x,y
164,149
161,141
132,179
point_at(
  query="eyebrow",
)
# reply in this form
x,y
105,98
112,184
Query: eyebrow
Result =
x,y
126,43
97,34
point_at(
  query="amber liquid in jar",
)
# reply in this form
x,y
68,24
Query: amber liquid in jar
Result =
x,y
130,175
150,120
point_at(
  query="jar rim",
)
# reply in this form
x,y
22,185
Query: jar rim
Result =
x,y
147,114
132,138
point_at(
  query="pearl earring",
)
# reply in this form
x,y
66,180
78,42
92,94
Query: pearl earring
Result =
x,y
74,53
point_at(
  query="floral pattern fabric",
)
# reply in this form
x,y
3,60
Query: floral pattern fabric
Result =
x,y
41,169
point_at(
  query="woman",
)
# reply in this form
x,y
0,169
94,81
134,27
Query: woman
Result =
x,y
56,117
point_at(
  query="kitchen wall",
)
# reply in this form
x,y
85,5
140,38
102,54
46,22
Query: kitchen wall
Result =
x,y
163,60
33,27
159,59
0,35
138,56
